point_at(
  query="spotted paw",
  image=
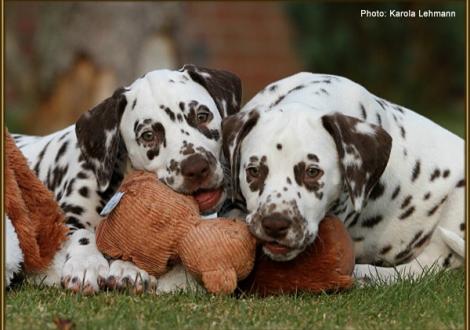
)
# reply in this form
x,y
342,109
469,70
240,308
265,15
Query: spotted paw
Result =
x,y
124,275
85,273
85,269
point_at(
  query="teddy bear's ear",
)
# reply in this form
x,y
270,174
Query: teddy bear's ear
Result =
x,y
220,281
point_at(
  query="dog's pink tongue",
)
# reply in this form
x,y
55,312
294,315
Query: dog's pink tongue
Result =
x,y
207,199
276,248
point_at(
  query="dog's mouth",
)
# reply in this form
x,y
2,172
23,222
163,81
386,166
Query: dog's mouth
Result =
x,y
280,252
276,248
208,199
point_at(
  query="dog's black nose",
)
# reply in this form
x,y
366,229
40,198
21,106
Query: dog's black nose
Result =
x,y
276,226
195,168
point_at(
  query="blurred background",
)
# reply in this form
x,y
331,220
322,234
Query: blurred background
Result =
x,y
64,57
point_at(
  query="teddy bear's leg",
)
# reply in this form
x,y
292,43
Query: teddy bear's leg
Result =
x,y
220,281
13,253
124,274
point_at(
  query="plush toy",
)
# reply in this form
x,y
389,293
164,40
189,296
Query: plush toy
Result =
x,y
34,223
154,227
324,266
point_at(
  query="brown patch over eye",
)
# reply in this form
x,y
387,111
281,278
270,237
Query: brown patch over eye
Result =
x,y
256,175
198,116
152,138
307,176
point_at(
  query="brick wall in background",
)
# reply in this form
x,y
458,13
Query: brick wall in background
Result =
x,y
252,39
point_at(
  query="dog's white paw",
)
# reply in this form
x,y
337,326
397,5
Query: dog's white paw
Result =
x,y
85,269
126,275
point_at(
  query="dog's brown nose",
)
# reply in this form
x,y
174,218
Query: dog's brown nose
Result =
x,y
195,168
276,226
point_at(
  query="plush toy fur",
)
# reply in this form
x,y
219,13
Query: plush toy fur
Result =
x,y
37,223
155,227
326,265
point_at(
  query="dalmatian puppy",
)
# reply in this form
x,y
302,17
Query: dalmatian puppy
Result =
x,y
311,145
166,122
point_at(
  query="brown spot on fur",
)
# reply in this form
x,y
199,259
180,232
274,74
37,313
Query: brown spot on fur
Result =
x,y
377,191
170,113
415,238
436,207
363,111
279,146
435,174
406,201
372,221
313,157
423,240
403,254
416,171
354,221
187,149
446,262
395,192
407,213
385,249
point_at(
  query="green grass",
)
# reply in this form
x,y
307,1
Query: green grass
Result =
x,y
434,302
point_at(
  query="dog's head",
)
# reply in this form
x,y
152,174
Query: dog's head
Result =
x,y
167,122
290,164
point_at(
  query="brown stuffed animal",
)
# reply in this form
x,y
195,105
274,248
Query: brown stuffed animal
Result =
x,y
36,218
152,226
326,265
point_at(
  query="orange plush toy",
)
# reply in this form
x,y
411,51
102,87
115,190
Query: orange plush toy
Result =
x,y
34,222
153,226
324,266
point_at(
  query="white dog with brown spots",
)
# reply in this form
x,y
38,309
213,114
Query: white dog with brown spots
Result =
x,y
311,145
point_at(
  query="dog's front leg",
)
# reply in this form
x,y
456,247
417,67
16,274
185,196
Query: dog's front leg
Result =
x,y
78,266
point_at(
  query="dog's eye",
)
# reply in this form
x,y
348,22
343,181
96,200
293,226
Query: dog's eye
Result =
x,y
203,116
313,172
253,171
147,136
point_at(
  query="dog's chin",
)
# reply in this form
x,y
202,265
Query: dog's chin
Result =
x,y
287,256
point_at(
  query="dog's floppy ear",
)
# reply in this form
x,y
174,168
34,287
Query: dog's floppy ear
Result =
x,y
234,129
223,86
363,150
98,136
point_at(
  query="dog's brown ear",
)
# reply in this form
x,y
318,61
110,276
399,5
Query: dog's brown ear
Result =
x,y
234,129
363,150
99,138
223,86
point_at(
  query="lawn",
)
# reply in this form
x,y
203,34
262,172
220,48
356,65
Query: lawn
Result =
x,y
434,302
